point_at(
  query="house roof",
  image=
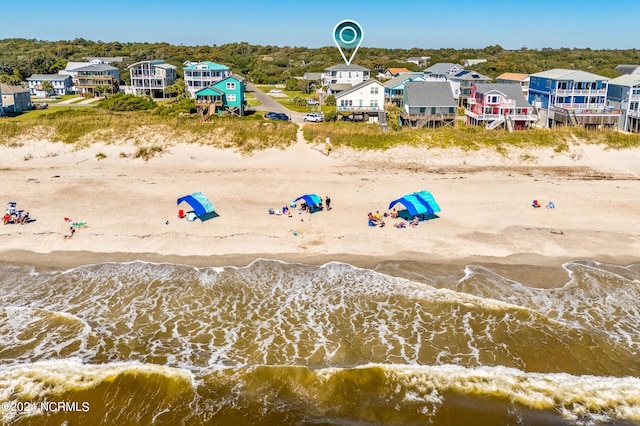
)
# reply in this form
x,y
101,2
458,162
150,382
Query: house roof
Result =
x,y
443,68
399,79
96,67
235,77
418,58
312,75
626,80
206,65
470,62
7,89
468,75
572,75
345,67
628,69
160,63
512,76
360,85
108,59
511,91
339,87
74,65
396,71
208,91
429,94
49,77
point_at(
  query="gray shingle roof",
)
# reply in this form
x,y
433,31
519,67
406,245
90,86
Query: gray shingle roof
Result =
x,y
7,89
442,68
626,80
570,75
49,77
468,75
511,91
429,94
96,67
628,69
345,67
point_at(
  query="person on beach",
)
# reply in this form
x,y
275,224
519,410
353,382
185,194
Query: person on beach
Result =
x,y
327,202
414,222
69,234
393,214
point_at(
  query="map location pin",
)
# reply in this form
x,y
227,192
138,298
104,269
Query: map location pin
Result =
x,y
348,35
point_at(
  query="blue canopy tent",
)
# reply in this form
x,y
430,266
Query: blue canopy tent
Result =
x,y
311,200
421,204
200,204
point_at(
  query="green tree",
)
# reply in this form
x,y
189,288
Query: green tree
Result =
x,y
178,89
47,87
331,100
14,78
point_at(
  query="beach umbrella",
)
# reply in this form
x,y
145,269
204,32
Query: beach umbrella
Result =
x,y
310,199
418,203
200,204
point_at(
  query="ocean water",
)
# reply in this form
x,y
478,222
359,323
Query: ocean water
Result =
x,y
277,343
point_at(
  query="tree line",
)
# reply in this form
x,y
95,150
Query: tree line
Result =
x,y
20,58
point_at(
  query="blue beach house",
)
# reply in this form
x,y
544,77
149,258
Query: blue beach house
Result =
x,y
224,96
623,93
571,97
394,88
198,75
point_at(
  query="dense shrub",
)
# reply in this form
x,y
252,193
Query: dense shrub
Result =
x,y
122,102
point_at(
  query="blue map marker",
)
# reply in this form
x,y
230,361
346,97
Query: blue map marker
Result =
x,y
348,35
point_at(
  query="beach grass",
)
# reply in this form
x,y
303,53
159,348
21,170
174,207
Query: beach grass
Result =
x,y
369,136
84,126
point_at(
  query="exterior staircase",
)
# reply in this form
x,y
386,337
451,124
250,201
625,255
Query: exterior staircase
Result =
x,y
382,119
495,123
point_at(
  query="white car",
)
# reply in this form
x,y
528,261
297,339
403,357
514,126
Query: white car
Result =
x,y
313,116
276,91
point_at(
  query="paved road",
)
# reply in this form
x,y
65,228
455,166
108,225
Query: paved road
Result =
x,y
270,104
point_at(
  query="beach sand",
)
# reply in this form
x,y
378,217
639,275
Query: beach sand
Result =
x,y
485,198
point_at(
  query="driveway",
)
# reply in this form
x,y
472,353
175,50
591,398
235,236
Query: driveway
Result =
x,y
270,104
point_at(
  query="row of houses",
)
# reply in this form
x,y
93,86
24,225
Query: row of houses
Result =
x,y
548,98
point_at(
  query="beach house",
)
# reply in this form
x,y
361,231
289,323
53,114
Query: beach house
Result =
x,y
14,99
94,78
61,84
420,61
151,78
515,78
394,88
571,97
198,75
623,93
428,104
222,97
362,102
466,79
499,105
342,77
394,72
442,71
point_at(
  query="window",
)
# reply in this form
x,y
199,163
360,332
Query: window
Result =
x,y
374,104
548,86
231,85
231,98
374,90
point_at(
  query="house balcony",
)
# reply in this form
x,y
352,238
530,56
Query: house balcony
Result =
x,y
633,113
363,108
494,117
94,81
146,84
585,116
427,116
584,109
581,92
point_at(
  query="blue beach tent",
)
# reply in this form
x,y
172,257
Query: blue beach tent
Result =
x,y
200,204
421,204
311,200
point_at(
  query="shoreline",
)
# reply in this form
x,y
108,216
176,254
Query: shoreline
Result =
x,y
528,269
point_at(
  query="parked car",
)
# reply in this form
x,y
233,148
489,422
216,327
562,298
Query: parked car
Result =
x,y
313,116
276,116
312,102
276,91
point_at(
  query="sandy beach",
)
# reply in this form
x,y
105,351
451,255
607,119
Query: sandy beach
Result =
x,y
129,205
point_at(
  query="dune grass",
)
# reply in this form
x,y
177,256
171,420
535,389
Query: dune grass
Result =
x,y
84,126
369,136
